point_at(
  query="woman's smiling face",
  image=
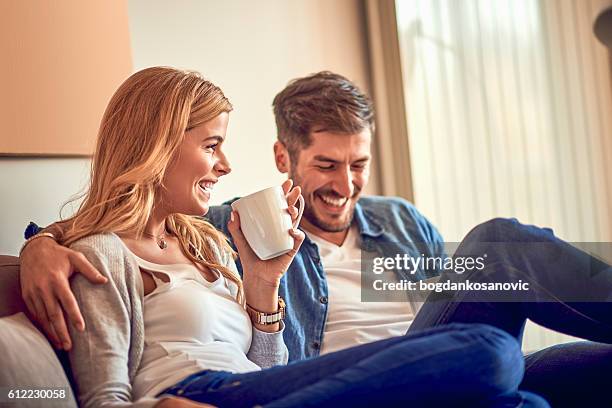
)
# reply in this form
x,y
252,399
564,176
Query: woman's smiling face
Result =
x,y
197,166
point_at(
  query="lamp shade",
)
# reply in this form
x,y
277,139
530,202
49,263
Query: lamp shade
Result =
x,y
603,24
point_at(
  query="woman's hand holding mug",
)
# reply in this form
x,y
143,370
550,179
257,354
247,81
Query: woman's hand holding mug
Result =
x,y
268,235
274,236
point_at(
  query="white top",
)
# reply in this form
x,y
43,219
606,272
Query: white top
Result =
x,y
190,325
349,320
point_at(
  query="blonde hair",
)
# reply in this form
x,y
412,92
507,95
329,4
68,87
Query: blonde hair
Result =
x,y
142,128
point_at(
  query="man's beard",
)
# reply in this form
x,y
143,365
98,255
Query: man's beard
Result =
x,y
311,216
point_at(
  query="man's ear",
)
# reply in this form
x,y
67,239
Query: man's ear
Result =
x,y
281,157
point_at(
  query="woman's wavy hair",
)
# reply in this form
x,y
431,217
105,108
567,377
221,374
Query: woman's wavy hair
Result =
x,y
141,130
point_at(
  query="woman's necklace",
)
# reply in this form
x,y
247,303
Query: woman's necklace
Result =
x,y
161,239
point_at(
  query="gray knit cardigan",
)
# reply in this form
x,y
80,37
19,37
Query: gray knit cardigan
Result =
x,y
105,357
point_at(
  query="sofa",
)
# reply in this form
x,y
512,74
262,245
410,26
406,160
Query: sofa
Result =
x,y
32,374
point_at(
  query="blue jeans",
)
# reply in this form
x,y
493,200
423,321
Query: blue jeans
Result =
x,y
453,365
570,293
571,375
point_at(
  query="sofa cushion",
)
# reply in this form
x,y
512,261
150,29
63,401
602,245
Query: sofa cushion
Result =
x,y
28,362
10,291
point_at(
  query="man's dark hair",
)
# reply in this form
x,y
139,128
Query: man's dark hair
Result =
x,y
320,102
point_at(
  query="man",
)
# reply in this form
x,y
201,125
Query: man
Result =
x,y
325,126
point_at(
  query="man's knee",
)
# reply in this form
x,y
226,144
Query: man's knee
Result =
x,y
501,360
494,230
509,230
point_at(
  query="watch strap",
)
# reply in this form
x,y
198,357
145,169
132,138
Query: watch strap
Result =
x,y
267,318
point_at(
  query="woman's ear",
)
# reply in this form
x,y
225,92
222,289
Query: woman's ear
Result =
x,y
281,157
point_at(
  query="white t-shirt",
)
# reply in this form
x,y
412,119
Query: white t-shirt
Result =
x,y
190,325
350,321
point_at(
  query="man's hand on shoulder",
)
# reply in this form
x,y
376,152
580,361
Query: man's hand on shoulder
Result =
x,y
44,274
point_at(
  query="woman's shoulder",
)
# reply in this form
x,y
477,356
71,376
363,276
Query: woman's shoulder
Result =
x,y
102,243
106,252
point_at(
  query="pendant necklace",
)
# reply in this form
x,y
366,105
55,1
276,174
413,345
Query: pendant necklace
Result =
x,y
161,239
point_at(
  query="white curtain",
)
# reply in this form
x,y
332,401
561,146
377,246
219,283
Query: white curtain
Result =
x,y
509,110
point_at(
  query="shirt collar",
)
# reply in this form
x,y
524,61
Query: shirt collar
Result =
x,y
366,222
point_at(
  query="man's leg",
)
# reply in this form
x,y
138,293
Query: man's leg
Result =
x,y
455,365
569,290
570,375
562,280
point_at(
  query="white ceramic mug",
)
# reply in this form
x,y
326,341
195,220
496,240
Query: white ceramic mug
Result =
x,y
265,222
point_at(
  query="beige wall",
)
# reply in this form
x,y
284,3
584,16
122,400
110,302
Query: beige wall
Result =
x,y
34,190
251,49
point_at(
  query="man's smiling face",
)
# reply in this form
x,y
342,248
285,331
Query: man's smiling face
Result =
x,y
332,171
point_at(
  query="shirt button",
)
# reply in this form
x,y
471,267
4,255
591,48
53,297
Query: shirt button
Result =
x,y
316,345
323,299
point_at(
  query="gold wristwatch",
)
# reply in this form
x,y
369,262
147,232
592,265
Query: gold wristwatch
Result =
x,y
267,318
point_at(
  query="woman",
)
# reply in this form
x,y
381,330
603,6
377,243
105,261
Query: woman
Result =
x,y
171,327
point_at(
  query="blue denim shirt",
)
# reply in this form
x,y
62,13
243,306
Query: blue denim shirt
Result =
x,y
387,226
